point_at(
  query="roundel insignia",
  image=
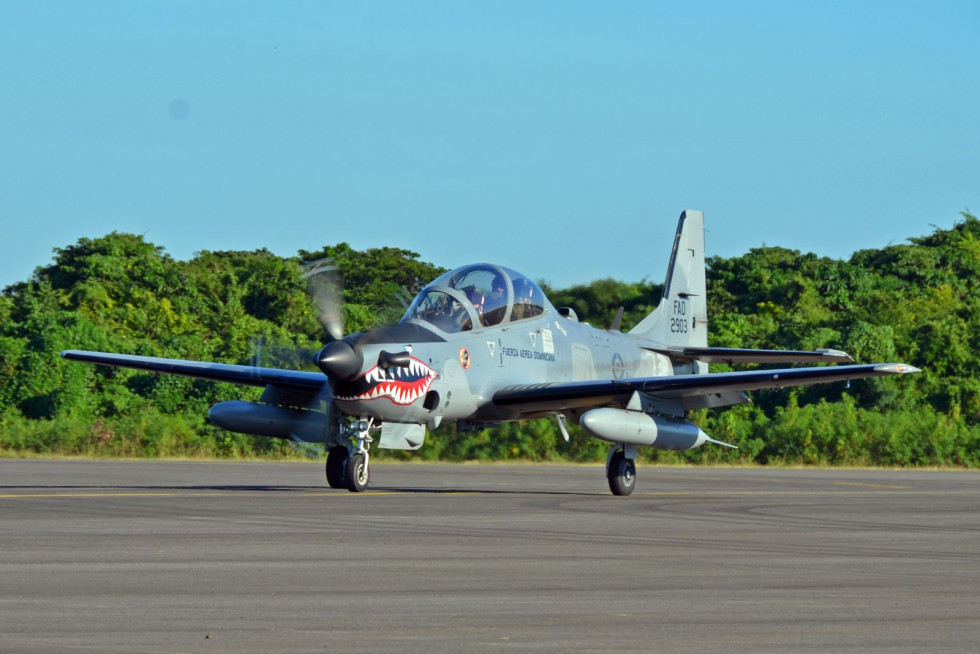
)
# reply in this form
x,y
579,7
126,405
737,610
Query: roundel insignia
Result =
x,y
464,358
618,366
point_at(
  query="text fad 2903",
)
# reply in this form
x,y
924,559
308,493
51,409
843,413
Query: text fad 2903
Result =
x,y
678,321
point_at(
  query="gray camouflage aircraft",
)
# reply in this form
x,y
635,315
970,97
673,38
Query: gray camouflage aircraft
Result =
x,y
482,345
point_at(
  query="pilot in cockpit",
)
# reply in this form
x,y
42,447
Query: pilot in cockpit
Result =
x,y
526,302
494,302
476,298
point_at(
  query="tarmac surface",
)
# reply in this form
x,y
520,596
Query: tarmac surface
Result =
x,y
226,557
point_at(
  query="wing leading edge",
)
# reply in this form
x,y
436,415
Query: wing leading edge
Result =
x,y
693,391
294,380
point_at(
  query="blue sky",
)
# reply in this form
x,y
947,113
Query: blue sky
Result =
x,y
562,139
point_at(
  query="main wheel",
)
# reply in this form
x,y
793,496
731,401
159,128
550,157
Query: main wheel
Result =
x,y
337,466
621,474
357,472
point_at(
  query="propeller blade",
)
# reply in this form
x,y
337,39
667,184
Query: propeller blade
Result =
x,y
327,293
312,451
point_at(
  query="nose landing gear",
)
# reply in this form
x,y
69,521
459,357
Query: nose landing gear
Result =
x,y
347,463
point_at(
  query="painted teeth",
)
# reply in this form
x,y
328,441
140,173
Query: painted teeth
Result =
x,y
402,385
415,370
400,394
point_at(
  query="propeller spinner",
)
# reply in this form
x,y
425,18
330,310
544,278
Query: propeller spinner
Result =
x,y
340,361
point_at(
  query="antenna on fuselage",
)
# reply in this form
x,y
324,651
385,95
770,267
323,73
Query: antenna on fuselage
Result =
x,y
617,321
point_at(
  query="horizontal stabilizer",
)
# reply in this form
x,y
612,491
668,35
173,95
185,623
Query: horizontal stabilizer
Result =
x,y
731,355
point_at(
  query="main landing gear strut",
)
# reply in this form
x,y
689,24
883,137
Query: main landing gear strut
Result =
x,y
347,464
620,469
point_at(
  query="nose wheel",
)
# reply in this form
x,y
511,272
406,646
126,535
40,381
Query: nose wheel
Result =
x,y
357,472
347,465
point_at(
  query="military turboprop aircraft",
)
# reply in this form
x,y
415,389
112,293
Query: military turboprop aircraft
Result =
x,y
481,345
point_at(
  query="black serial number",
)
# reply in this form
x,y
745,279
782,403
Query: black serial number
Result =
x,y
678,325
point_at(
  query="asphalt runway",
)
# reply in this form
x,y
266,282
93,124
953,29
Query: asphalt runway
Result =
x,y
228,557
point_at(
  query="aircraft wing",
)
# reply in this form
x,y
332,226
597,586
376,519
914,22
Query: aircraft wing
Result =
x,y
292,380
693,391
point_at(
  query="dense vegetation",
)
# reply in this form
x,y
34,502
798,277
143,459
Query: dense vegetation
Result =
x,y
916,302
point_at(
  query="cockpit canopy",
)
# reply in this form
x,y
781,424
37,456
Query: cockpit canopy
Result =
x,y
475,296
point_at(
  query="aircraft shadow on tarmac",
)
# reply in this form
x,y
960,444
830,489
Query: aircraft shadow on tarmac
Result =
x,y
148,487
258,488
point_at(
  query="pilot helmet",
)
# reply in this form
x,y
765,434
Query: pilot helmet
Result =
x,y
474,295
523,290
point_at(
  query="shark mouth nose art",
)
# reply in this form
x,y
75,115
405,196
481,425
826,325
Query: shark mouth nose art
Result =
x,y
400,385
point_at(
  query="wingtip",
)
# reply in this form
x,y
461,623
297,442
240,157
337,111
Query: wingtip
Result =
x,y
897,368
73,355
836,355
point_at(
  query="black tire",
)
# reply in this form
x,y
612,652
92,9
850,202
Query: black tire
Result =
x,y
621,474
357,472
337,467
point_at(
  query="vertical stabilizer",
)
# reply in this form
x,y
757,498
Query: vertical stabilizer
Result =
x,y
681,318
